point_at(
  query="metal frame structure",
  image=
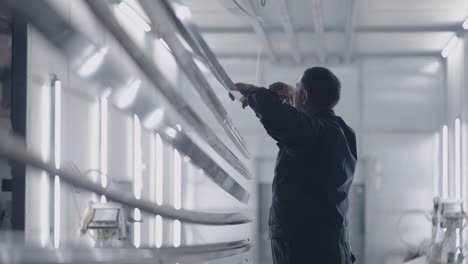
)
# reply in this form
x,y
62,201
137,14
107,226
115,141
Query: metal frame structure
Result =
x,y
289,31
260,31
15,149
168,27
18,253
360,29
349,29
317,17
72,44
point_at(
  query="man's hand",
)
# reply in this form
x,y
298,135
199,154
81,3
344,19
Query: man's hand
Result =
x,y
285,91
244,88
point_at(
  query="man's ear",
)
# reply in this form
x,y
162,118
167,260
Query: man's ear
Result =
x,y
304,97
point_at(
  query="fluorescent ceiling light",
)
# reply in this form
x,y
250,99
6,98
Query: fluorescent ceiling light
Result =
x,y
465,24
91,65
450,46
179,127
134,16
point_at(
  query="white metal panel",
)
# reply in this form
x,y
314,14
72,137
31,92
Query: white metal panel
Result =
x,y
407,101
416,12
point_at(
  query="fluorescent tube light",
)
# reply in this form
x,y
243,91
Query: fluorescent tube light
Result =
x,y
450,46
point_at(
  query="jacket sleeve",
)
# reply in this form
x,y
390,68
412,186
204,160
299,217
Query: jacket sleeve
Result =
x,y
282,122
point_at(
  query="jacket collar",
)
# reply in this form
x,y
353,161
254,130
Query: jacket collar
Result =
x,y
325,113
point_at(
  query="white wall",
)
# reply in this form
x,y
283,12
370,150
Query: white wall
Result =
x,y
396,107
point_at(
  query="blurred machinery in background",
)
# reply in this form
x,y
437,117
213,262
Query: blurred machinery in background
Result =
x,y
448,223
109,224
446,245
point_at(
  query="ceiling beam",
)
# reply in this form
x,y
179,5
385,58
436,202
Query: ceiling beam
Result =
x,y
362,29
349,30
259,30
317,18
289,30
334,55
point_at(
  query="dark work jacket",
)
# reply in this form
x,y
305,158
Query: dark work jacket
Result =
x,y
314,170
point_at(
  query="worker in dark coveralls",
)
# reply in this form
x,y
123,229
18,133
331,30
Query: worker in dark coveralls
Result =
x,y
314,168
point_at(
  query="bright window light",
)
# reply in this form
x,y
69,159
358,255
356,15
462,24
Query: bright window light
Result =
x,y
91,65
137,228
457,159
171,132
465,24
126,97
450,46
103,199
177,179
177,233
159,170
186,158
153,120
136,17
159,231
444,161
104,140
137,169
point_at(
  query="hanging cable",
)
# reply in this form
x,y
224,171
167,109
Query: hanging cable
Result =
x,y
247,12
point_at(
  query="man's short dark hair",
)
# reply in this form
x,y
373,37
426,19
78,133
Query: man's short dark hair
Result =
x,y
323,86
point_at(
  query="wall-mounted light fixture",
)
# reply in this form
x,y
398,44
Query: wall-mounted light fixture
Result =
x,y
445,162
457,158
450,46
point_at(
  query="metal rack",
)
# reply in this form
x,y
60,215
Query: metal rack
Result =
x,y
76,47
156,91
19,253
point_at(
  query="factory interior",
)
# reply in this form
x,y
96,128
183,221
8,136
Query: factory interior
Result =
x,y
123,138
